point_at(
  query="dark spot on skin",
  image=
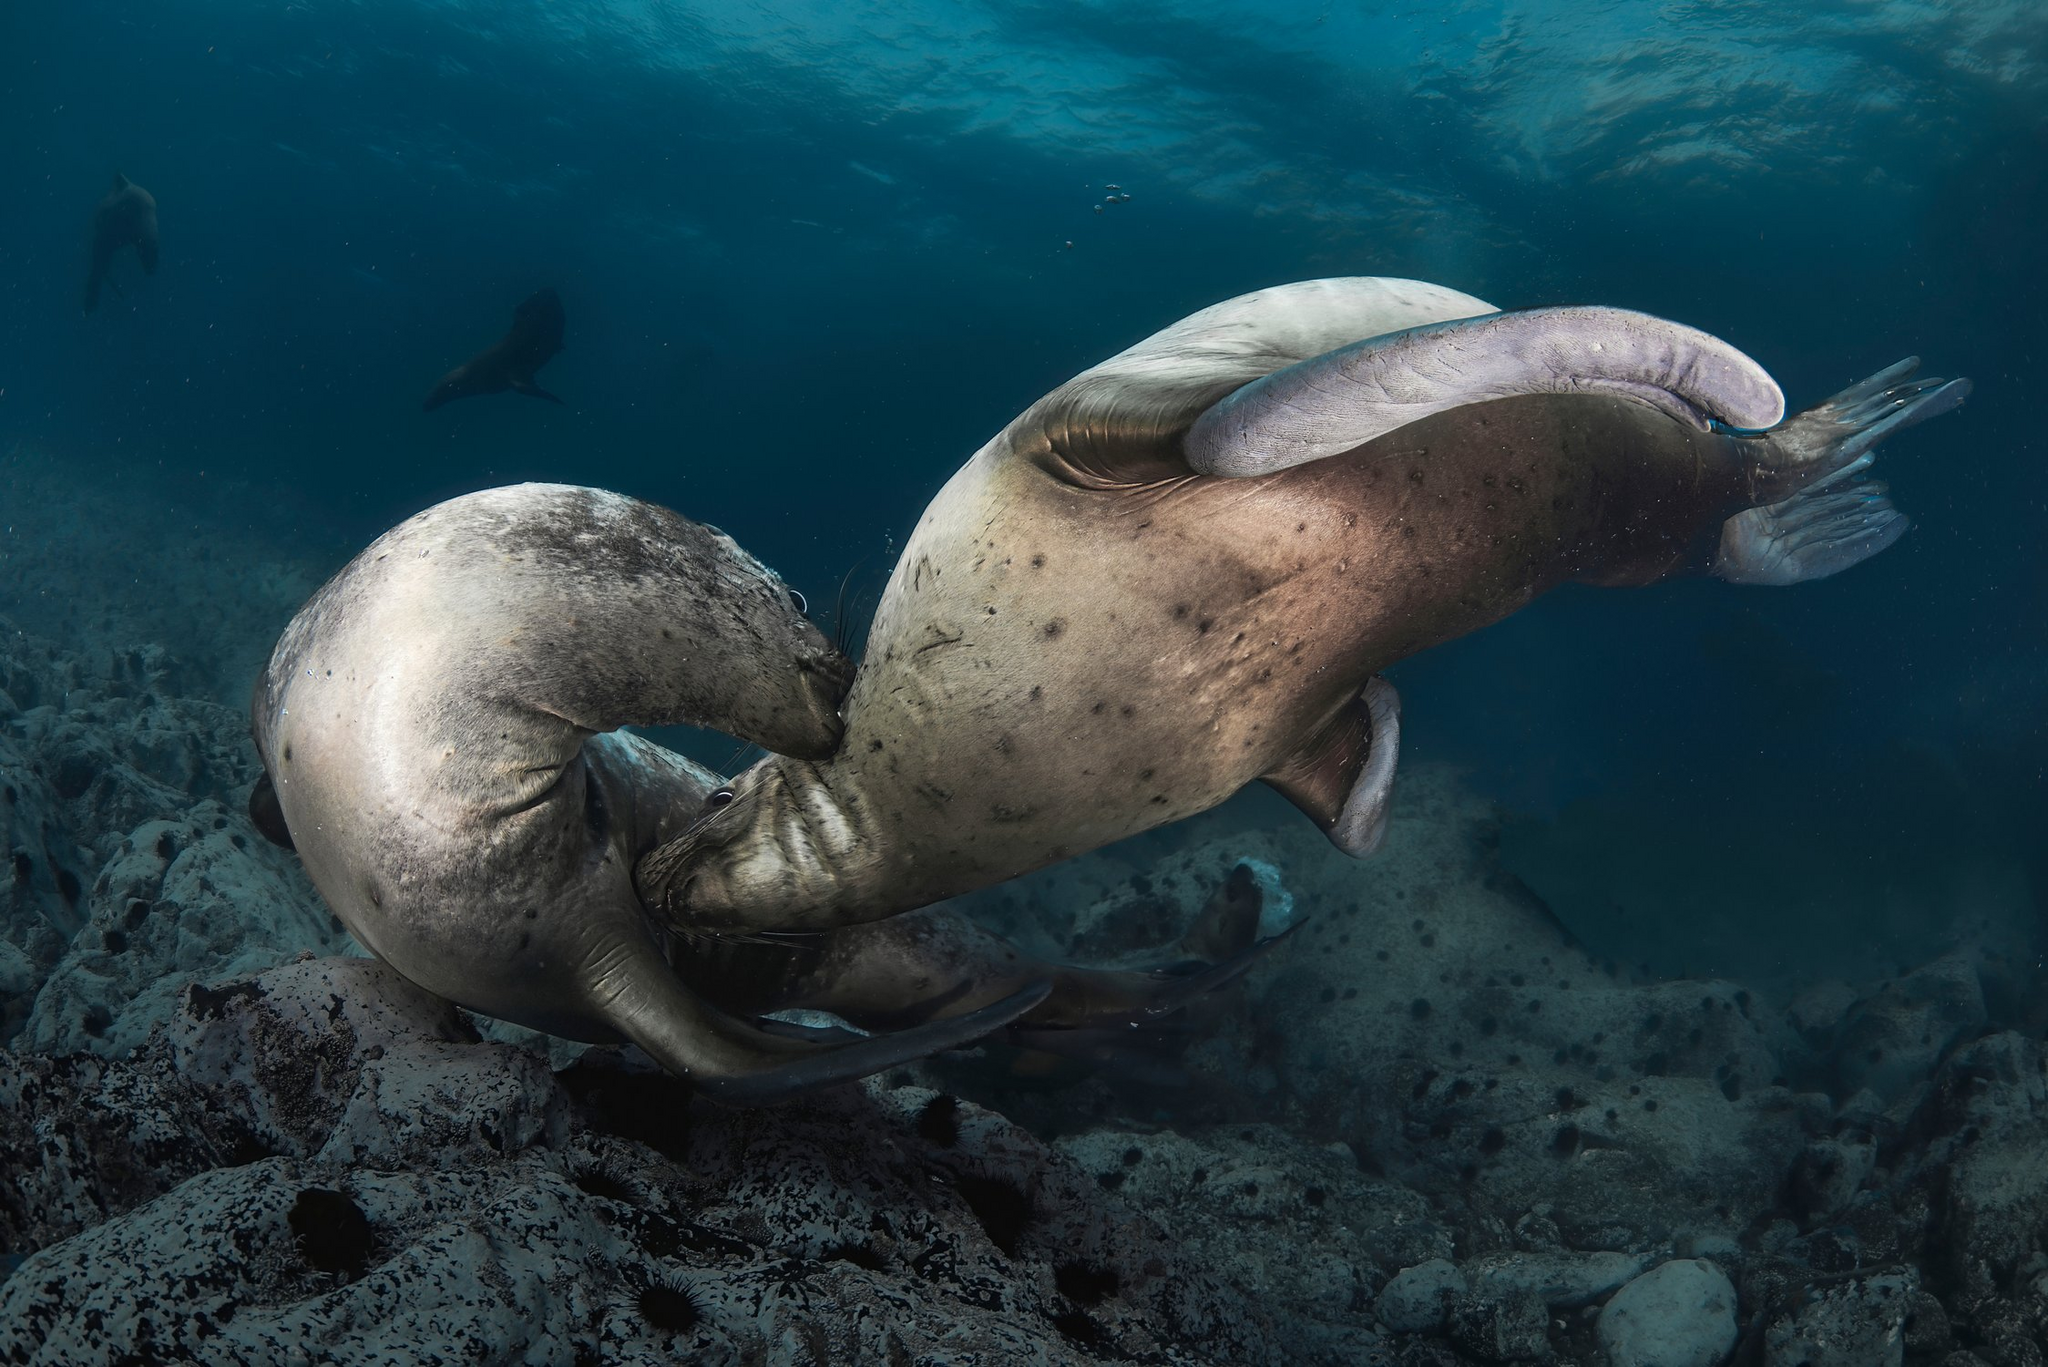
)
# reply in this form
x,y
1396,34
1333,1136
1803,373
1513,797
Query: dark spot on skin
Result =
x,y
1493,1140
1128,710
24,867
1566,1141
1180,610
1038,562
874,745
1097,709
1055,626
1037,692
1204,625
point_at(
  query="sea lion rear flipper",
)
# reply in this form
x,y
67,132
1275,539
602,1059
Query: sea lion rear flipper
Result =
x,y
731,1061
1824,514
1336,402
533,391
1343,775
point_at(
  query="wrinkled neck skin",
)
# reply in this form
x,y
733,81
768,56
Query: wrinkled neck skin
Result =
x,y
1054,667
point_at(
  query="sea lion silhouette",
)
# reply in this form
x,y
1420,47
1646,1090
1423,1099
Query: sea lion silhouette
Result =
x,y
532,341
125,218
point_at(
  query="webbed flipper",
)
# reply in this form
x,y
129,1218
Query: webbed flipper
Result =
x,y
1343,776
740,1064
1824,514
1340,400
533,391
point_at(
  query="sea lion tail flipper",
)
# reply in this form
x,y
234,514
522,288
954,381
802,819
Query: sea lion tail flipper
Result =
x,y
1343,775
1823,512
731,1061
1837,439
533,391
1342,399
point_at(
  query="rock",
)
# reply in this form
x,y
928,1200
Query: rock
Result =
x,y
1418,1299
1678,1314
1295,1225
323,1157
1858,1323
1980,1154
1827,1176
130,864
1562,1281
1513,1326
1890,1040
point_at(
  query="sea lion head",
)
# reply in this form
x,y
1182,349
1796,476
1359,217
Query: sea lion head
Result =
x,y
781,680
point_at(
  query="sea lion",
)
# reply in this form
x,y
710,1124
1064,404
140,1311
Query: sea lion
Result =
x,y
437,732
1184,569
125,218
511,363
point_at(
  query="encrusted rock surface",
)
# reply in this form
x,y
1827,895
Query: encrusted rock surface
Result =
x,y
324,1159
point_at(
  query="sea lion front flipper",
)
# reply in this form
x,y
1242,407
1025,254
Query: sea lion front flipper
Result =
x,y
533,391
1121,422
741,1065
266,813
1343,775
1339,401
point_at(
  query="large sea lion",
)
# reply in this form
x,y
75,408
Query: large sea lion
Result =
x,y
512,361
1182,571
437,727
125,218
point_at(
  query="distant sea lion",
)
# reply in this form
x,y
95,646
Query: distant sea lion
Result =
x,y
512,362
437,728
1184,569
125,218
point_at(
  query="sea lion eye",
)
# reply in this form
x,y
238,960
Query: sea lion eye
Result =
x,y
796,600
719,798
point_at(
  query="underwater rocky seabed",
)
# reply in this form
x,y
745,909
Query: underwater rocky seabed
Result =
x,y
1432,1129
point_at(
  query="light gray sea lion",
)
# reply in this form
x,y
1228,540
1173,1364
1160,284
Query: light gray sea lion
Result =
x,y
437,727
513,360
435,723
125,218
1183,570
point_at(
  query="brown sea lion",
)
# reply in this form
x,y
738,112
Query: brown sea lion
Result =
x,y
1182,571
512,361
125,218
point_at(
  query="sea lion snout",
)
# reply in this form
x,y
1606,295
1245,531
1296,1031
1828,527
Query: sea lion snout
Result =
x,y
813,729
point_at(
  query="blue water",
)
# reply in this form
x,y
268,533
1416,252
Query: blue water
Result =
x,y
813,255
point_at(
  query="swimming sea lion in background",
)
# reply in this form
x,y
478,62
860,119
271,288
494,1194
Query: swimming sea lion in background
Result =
x,y
437,728
534,338
125,218
1183,570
